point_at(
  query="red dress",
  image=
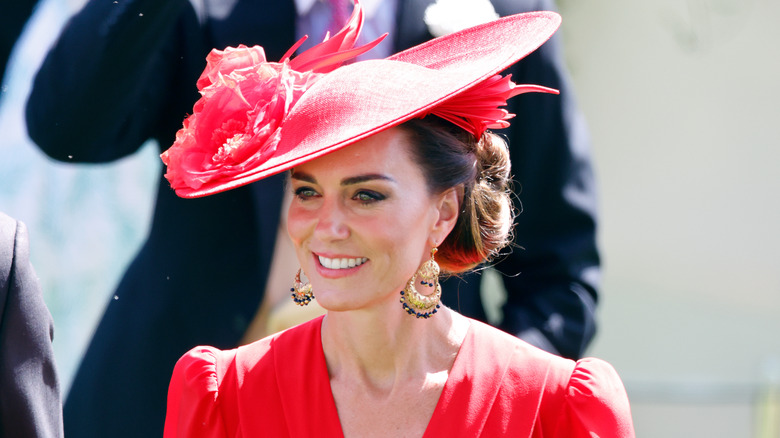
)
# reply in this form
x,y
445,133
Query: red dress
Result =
x,y
498,386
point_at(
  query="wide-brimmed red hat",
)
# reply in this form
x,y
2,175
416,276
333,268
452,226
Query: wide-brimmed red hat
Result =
x,y
258,118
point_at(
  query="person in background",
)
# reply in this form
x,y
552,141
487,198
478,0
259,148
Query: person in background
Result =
x,y
122,73
30,404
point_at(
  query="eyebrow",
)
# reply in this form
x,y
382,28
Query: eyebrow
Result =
x,y
303,176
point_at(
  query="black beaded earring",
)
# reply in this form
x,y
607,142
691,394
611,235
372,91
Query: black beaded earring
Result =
x,y
417,304
302,293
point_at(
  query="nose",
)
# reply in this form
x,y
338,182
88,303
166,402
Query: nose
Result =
x,y
331,222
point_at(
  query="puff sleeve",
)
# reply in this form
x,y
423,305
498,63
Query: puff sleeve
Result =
x,y
596,404
193,396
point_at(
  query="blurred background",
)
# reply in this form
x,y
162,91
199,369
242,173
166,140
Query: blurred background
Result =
x,y
682,99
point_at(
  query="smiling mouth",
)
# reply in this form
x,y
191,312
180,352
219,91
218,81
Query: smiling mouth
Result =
x,y
344,263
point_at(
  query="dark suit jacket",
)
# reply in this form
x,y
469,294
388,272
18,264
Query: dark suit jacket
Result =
x,y
30,403
123,72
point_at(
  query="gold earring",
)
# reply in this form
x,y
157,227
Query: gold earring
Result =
x,y
417,304
301,292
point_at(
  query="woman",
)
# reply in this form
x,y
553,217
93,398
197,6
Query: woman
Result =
x,y
394,178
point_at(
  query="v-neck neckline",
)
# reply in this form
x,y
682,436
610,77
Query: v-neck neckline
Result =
x,y
465,396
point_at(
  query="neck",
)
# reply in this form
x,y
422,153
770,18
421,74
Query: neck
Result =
x,y
382,346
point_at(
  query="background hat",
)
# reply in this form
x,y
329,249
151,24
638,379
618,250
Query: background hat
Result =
x,y
349,103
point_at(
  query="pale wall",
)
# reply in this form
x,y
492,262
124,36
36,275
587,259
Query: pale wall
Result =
x,y
682,101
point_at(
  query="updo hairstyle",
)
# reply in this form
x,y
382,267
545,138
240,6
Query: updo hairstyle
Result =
x,y
450,157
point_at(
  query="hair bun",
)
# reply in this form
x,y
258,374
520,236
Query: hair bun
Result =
x,y
491,194
492,161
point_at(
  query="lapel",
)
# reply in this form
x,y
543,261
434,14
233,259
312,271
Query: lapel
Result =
x,y
410,27
495,385
469,393
304,386
8,228
411,30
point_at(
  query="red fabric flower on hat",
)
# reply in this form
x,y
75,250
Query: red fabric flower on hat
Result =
x,y
238,120
224,62
235,124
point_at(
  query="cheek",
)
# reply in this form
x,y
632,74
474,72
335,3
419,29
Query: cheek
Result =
x,y
402,238
299,224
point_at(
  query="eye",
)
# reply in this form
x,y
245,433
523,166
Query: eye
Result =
x,y
368,196
304,193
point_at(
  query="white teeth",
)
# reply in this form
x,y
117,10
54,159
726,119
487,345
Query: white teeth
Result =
x,y
341,263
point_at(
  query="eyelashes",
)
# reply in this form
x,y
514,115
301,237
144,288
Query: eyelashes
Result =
x,y
362,196
368,196
304,193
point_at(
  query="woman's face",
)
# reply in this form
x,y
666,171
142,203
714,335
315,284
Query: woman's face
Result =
x,y
362,221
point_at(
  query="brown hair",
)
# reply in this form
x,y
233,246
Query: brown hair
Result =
x,y
451,157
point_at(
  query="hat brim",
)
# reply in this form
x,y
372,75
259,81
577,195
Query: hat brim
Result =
x,y
358,100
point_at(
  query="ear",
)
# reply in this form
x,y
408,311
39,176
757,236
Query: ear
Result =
x,y
447,207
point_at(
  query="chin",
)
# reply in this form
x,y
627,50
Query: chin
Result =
x,y
335,300
341,300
